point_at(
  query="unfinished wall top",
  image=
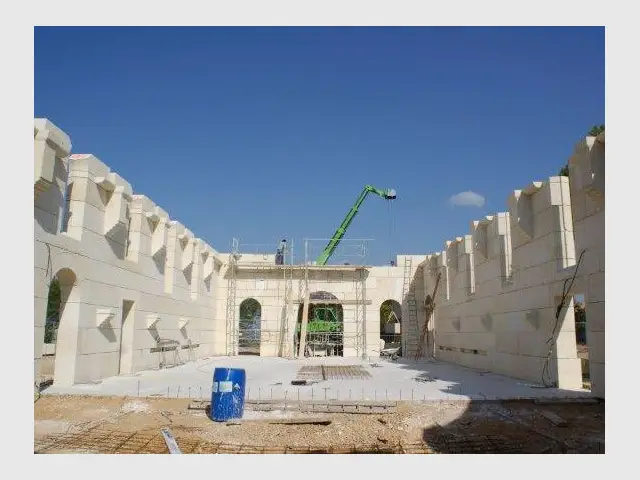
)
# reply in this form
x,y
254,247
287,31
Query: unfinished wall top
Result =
x,y
110,197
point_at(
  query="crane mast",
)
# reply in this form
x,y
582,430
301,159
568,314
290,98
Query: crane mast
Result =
x,y
389,194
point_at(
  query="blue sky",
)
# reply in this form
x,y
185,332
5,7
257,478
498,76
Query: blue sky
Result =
x,y
261,133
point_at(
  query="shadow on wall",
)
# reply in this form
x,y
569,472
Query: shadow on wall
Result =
x,y
188,274
117,240
108,333
160,259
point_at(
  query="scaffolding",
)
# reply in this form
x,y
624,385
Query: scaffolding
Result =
x,y
259,259
410,329
231,324
278,328
332,336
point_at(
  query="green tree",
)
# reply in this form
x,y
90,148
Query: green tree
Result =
x,y
249,309
594,132
53,311
564,171
580,316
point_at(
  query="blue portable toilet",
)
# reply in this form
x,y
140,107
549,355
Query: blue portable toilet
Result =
x,y
227,398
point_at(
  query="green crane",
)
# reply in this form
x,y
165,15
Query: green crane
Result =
x,y
337,237
324,328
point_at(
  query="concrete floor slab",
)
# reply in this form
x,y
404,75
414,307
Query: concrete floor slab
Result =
x,y
270,378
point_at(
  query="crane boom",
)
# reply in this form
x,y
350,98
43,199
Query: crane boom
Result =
x,y
339,234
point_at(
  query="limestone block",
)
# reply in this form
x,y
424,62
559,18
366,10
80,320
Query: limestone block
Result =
x,y
91,167
502,363
590,232
597,378
596,287
565,344
500,242
105,317
596,344
532,319
489,279
84,215
477,341
116,209
178,230
479,231
587,166
98,340
451,249
595,316
157,222
532,344
486,322
187,245
456,323
152,320
569,373
208,260
472,324
507,342
531,368
521,210
49,143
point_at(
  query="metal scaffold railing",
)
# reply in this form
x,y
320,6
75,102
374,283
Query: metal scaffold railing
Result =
x,y
332,323
410,330
285,345
231,322
264,305
359,283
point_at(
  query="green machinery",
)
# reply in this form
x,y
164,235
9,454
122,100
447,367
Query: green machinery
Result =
x,y
324,321
342,229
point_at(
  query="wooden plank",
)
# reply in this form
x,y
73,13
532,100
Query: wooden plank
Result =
x,y
169,439
303,327
337,301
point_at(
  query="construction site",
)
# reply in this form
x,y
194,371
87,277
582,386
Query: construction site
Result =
x,y
471,349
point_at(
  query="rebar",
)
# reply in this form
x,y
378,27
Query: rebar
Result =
x,y
107,441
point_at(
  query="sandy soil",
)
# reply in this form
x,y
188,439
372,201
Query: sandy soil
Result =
x,y
132,425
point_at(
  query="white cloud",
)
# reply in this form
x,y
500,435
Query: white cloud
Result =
x,y
467,199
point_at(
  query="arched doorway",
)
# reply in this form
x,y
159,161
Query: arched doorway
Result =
x,y
61,329
325,326
249,328
391,325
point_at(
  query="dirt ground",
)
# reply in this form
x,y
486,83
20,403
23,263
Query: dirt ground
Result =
x,y
89,424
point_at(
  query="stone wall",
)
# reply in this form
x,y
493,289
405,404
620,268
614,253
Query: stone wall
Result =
x,y
131,278
497,307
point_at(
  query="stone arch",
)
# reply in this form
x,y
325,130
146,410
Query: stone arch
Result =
x,y
249,327
325,327
66,344
391,324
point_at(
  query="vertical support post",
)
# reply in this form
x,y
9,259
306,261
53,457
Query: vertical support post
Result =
x,y
363,279
305,308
